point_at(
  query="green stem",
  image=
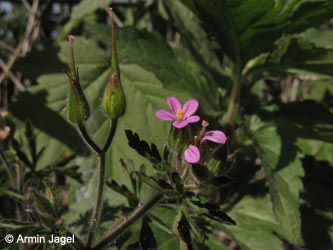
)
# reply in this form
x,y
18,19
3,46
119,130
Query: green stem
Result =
x,y
95,218
99,200
111,135
88,139
234,103
137,214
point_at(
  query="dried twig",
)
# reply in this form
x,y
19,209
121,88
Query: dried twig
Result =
x,y
12,77
11,62
5,46
25,45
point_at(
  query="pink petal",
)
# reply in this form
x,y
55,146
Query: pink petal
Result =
x,y
192,154
164,115
215,136
193,118
174,104
180,124
190,107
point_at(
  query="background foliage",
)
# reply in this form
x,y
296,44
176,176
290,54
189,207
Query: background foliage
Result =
x,y
262,72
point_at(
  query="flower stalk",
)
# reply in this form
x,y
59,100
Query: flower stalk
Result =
x,y
114,105
95,218
234,103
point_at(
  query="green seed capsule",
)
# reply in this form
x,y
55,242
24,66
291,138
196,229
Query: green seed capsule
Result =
x,y
114,100
77,105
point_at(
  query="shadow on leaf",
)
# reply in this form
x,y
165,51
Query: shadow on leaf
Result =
x,y
48,120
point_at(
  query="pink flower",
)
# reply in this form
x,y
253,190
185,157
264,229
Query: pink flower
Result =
x,y
181,116
215,136
192,154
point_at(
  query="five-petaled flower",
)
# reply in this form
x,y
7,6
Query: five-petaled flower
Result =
x,y
192,154
180,115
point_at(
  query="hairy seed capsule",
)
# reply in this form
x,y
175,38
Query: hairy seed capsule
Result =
x,y
114,100
77,106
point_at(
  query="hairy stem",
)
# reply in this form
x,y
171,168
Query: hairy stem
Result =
x,y
88,139
111,135
136,215
99,200
101,179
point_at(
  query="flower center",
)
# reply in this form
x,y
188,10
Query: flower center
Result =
x,y
179,114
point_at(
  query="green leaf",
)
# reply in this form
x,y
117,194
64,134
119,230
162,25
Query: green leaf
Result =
x,y
256,225
44,206
160,221
245,29
318,89
316,211
147,239
143,148
293,54
71,171
213,242
322,151
133,201
203,60
196,231
12,193
319,37
150,181
182,227
178,182
29,133
283,168
306,119
32,64
211,211
159,184
66,159
21,155
80,11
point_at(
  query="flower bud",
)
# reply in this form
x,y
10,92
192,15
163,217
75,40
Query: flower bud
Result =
x,y
114,100
77,105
